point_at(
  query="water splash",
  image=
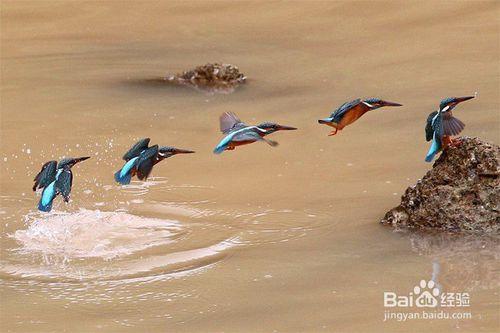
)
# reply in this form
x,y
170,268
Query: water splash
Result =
x,y
92,233
111,246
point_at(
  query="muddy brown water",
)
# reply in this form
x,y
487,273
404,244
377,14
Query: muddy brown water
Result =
x,y
259,239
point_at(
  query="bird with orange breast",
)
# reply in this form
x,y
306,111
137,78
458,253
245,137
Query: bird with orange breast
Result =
x,y
239,134
349,112
441,125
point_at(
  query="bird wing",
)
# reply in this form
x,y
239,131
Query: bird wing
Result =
x,y
146,162
253,135
429,131
247,135
437,126
230,122
136,149
436,133
238,135
342,110
46,176
452,125
63,183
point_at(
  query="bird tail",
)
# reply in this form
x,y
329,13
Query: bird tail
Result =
x,y
223,145
329,122
433,150
123,178
325,121
44,208
48,195
124,175
220,148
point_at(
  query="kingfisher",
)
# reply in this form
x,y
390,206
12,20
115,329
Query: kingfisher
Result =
x,y
141,158
351,111
55,178
238,133
441,125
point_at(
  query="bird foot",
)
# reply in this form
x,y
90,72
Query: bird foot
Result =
x,y
455,142
230,148
332,133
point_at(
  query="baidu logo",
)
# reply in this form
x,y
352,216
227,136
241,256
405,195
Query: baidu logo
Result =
x,y
425,301
425,294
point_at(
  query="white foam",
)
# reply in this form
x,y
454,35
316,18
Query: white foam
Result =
x,y
92,233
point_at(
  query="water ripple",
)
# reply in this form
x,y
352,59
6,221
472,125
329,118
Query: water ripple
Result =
x,y
90,244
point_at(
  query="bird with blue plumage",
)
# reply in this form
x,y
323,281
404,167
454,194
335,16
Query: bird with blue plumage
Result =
x,y
238,133
441,125
351,111
55,178
141,158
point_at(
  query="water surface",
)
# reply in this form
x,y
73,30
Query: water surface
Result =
x,y
260,239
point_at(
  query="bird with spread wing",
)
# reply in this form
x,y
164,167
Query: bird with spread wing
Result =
x,y
238,133
141,158
55,178
441,125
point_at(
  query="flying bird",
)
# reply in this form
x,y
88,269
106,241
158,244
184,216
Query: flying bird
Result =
x,y
141,158
238,133
441,125
351,111
55,178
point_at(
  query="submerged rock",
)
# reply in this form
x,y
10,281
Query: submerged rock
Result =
x,y
460,193
214,77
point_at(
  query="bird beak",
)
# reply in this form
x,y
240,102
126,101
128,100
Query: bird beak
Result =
x,y
286,128
324,121
183,151
386,103
80,159
463,99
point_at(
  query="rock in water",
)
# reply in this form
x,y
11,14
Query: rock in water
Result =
x,y
223,78
460,193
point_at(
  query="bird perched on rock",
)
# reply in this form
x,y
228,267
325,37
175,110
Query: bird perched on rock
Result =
x,y
55,178
351,111
441,125
140,160
238,133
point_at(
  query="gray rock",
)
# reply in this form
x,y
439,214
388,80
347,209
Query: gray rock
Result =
x,y
460,193
214,78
